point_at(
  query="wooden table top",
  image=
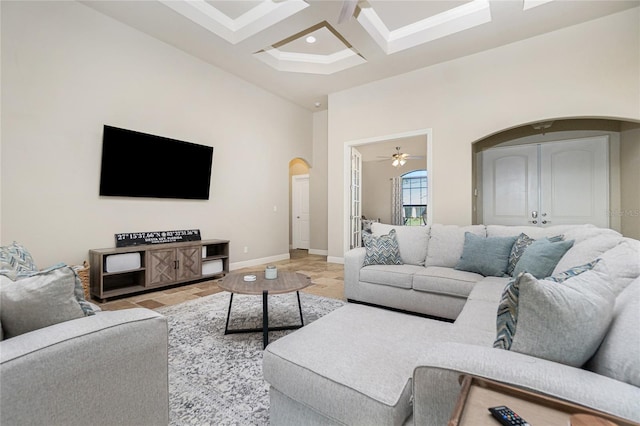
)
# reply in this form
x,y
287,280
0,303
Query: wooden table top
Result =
x,y
285,282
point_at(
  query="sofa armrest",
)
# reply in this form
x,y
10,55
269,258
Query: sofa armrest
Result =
x,y
110,368
436,385
353,262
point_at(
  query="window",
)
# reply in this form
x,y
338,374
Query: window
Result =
x,y
414,198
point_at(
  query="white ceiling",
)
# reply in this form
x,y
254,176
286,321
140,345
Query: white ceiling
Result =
x,y
264,41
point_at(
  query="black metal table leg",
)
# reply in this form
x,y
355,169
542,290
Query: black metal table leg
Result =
x,y
226,326
300,308
265,319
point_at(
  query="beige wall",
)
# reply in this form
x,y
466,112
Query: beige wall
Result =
x,y
66,71
588,70
629,212
318,185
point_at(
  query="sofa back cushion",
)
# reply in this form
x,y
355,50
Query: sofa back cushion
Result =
x,y
446,243
619,354
587,250
412,241
623,262
535,232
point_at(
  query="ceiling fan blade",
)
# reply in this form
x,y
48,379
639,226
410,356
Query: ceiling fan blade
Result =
x,y
348,8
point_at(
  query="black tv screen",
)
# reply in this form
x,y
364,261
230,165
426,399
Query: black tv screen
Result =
x,y
137,164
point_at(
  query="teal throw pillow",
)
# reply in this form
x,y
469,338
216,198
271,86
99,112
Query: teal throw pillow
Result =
x,y
381,249
520,246
488,256
541,257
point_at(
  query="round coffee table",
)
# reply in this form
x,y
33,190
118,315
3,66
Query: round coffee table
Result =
x,y
286,282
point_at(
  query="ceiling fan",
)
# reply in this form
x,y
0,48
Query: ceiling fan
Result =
x,y
399,159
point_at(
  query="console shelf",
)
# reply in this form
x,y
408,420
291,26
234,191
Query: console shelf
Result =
x,y
156,266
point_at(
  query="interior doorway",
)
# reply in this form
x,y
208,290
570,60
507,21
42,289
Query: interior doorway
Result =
x,y
380,151
299,205
300,212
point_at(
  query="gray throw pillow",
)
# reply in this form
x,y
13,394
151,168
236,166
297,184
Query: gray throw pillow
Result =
x,y
488,256
561,322
38,301
541,257
381,249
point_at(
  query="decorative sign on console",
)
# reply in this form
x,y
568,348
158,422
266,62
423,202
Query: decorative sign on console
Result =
x,y
156,237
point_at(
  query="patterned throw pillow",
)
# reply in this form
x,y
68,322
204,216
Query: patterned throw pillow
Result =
x,y
16,261
570,273
508,314
382,249
520,246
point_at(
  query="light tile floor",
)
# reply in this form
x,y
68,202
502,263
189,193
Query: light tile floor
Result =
x,y
327,278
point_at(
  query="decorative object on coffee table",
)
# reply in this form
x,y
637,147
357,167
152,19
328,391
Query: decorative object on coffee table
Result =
x,y
285,282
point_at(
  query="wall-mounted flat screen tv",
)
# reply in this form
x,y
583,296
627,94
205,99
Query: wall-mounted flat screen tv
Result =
x,y
137,164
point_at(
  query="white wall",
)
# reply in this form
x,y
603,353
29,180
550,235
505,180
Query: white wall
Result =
x,y
66,71
588,70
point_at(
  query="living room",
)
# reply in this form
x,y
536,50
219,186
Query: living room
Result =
x,y
67,70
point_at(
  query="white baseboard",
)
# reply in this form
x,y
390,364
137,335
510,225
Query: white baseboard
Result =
x,y
261,261
319,252
335,259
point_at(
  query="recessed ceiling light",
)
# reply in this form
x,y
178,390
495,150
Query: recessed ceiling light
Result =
x,y
310,39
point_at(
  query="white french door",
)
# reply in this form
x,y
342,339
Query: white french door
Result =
x,y
355,213
547,184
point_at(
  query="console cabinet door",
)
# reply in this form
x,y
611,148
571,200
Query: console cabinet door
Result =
x,y
189,263
161,266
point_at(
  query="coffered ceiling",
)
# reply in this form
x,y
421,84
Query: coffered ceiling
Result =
x,y
302,50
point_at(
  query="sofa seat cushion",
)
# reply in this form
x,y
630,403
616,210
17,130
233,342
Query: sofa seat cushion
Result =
x,y
437,279
365,376
392,275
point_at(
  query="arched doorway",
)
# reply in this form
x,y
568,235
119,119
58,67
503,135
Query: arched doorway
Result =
x,y
622,154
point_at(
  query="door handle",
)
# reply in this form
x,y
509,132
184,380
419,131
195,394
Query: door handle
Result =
x,y
534,214
533,221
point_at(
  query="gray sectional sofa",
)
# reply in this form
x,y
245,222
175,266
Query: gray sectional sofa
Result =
x,y
106,369
365,365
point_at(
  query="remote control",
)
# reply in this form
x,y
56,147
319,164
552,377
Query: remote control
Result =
x,y
507,417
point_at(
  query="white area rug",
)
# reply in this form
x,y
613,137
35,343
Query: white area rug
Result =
x,y
216,379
